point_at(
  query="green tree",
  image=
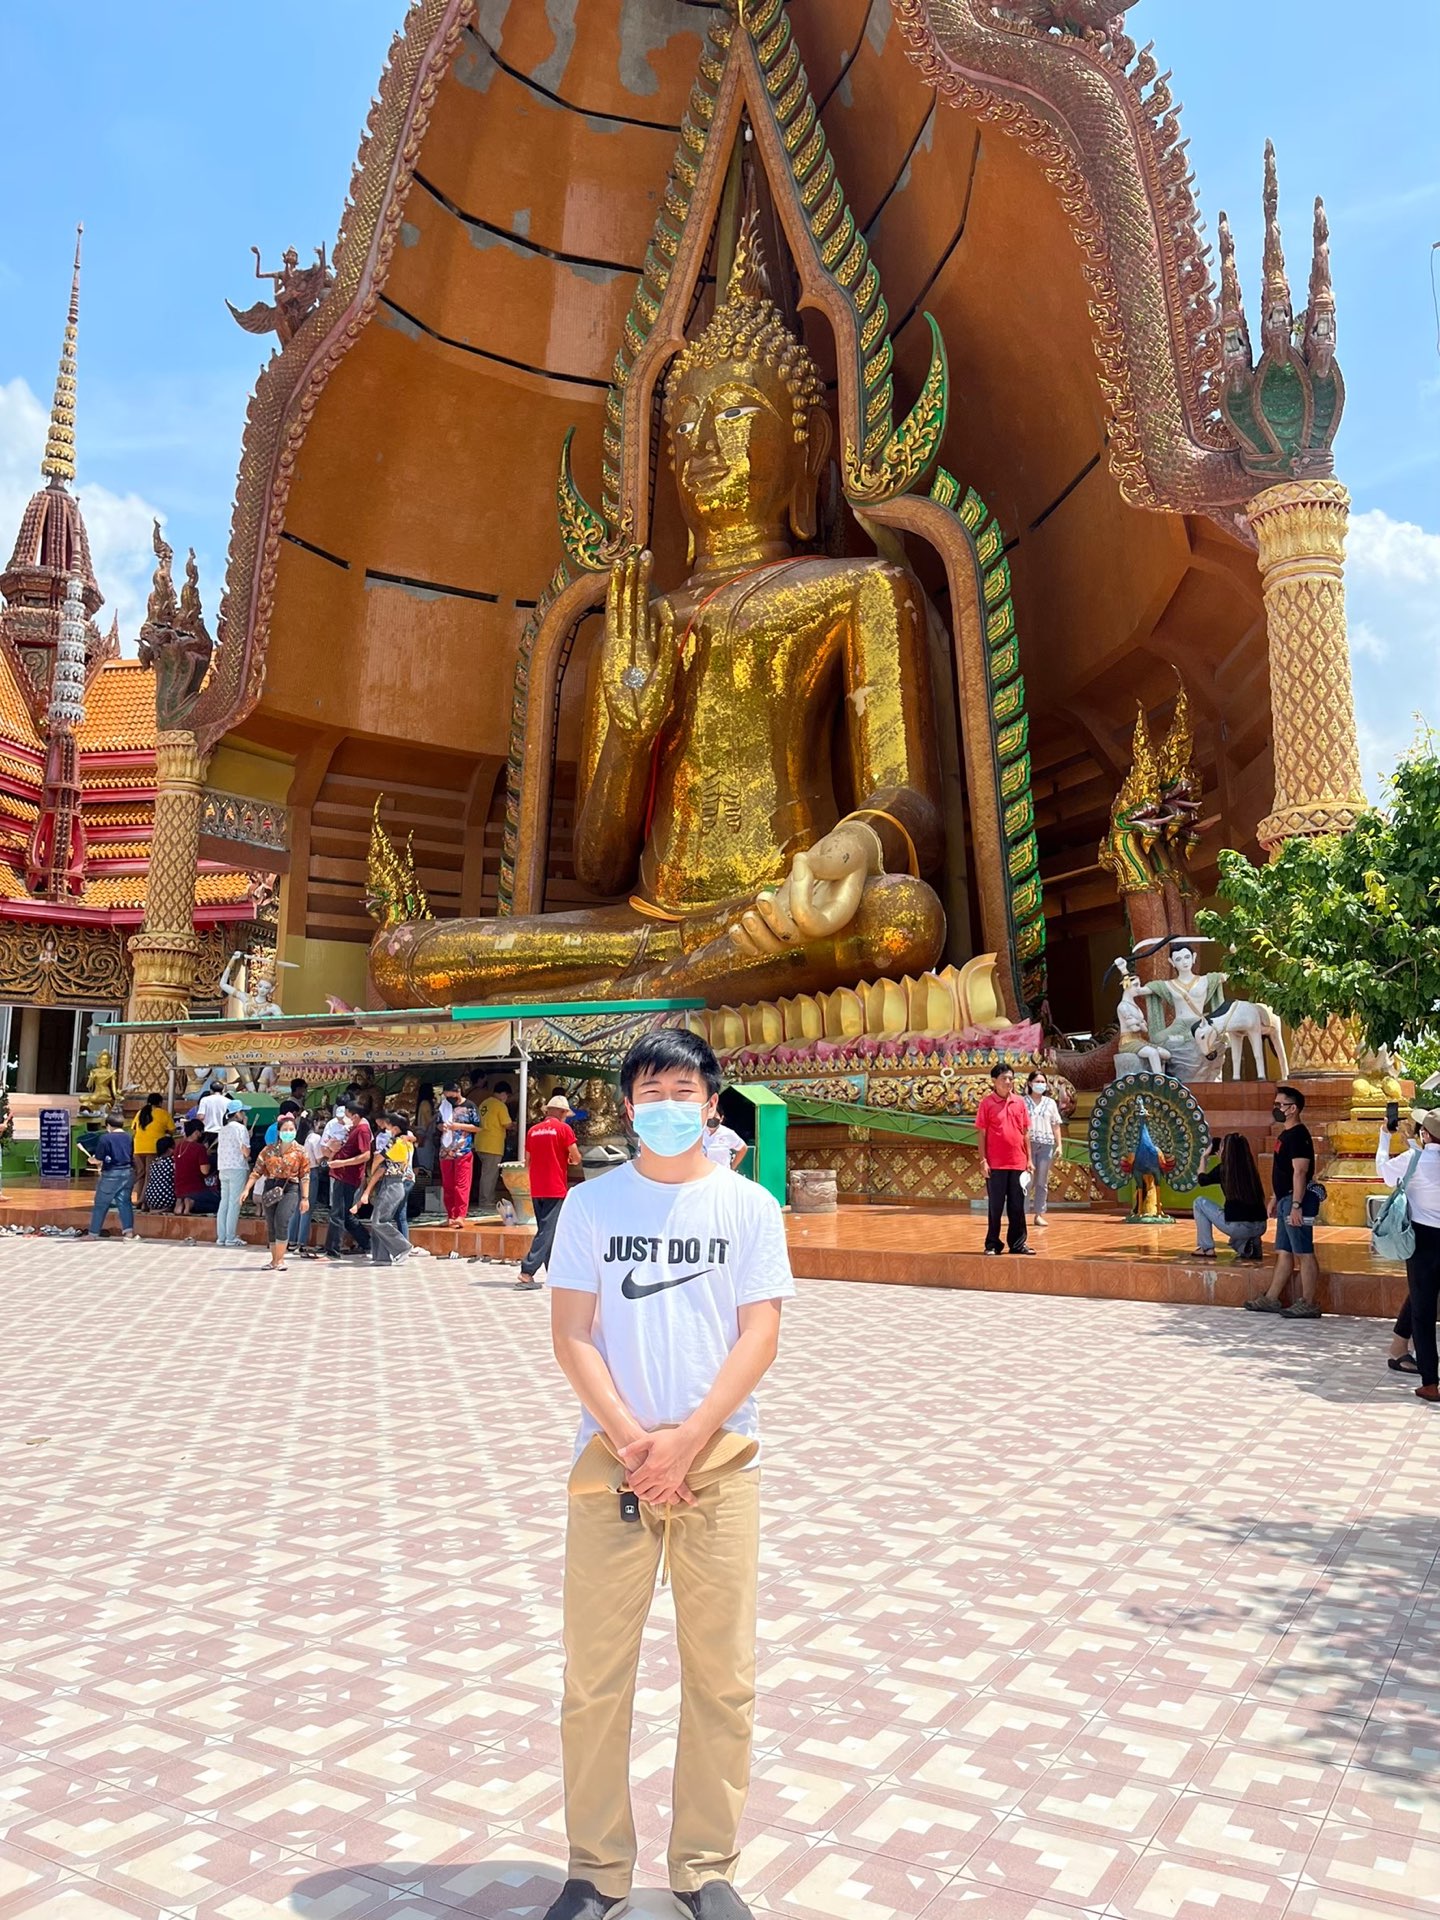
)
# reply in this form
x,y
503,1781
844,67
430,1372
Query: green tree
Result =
x,y
1348,925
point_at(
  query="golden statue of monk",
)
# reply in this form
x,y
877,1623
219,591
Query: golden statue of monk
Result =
x,y
708,773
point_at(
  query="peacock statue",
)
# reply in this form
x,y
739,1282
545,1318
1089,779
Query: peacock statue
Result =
x,y
1144,1127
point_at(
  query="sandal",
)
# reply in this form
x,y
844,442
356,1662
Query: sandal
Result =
x,y
527,1286
1263,1303
1405,1363
1302,1310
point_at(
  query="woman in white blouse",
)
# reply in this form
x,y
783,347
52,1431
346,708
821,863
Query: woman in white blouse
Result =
x,y
1422,1190
1046,1138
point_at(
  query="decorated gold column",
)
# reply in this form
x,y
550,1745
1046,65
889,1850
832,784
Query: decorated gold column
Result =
x,y
164,953
1301,528
1284,411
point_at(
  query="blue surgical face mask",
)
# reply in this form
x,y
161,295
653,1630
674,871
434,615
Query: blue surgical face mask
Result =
x,y
286,1133
669,1127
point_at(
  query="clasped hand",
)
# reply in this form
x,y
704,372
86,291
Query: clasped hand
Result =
x,y
656,1465
820,896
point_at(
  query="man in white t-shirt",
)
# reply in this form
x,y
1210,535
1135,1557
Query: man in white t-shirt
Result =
x,y
722,1144
666,1280
214,1107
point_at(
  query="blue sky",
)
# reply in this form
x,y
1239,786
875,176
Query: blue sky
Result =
x,y
184,134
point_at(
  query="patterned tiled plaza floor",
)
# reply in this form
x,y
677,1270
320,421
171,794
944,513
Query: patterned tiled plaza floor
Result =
x,y
1068,1607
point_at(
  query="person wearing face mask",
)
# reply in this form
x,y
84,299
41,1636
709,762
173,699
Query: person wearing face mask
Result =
x,y
1047,1136
1420,1170
551,1149
667,1278
1294,1207
286,1173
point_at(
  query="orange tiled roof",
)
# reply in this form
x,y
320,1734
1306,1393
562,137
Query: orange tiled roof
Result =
x,y
24,771
92,777
15,721
119,710
221,889
17,809
108,814
119,850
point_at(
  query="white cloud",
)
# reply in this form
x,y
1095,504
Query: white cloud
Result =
x,y
1393,587
118,525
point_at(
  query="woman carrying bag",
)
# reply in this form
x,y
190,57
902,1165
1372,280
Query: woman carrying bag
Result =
x,y
1417,1175
286,1173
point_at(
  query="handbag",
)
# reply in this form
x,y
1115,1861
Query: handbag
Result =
x,y
275,1190
1393,1235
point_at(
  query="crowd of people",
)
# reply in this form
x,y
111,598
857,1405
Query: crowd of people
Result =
x,y
357,1164
364,1168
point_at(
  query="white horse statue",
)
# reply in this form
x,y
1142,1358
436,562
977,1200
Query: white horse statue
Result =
x,y
1235,1023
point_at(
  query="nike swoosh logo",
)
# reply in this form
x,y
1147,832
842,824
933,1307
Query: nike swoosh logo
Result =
x,y
632,1292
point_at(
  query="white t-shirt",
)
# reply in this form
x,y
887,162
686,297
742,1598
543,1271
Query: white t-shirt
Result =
x,y
315,1147
722,1145
232,1149
672,1266
212,1111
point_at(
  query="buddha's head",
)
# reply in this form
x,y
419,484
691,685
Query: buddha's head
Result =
x,y
102,1060
744,403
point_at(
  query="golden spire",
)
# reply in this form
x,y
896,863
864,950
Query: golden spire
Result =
x,y
1141,788
1277,321
1177,752
59,461
392,889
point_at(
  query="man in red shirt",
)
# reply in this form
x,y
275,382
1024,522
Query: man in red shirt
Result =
x,y
550,1152
1003,1122
349,1164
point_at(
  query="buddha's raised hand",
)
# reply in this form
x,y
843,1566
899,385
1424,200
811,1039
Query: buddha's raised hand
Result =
x,y
637,661
821,895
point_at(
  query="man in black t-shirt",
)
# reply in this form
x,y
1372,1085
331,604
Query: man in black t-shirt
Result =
x,y
1293,1210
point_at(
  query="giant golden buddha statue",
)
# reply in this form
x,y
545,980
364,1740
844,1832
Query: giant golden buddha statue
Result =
x,y
707,776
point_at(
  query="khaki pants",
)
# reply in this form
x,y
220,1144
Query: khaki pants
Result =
x,y
610,1567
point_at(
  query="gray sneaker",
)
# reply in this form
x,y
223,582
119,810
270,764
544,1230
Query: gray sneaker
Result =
x,y
1263,1303
716,1900
580,1900
1301,1310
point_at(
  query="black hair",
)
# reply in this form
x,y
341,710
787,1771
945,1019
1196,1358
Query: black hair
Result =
x,y
116,1119
298,1082
666,1049
1292,1093
147,1112
451,1086
162,1147
501,1086
192,1128
1240,1178
1000,1066
288,1106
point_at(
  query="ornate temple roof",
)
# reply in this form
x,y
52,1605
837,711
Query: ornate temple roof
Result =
x,y
104,705
1025,184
